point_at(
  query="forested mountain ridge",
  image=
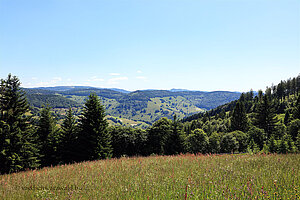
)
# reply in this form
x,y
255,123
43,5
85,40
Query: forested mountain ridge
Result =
x,y
142,106
281,95
268,121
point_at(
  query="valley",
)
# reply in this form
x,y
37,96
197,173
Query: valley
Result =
x,y
138,109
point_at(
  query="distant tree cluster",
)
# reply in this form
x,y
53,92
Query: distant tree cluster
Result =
x,y
54,101
267,122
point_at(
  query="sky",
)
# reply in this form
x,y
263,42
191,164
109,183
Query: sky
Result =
x,y
206,45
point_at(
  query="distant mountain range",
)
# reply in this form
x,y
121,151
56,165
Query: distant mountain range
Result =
x,y
141,107
65,88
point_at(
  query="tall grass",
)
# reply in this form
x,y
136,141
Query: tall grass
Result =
x,y
162,177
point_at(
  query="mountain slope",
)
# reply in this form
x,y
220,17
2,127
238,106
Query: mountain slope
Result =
x,y
141,106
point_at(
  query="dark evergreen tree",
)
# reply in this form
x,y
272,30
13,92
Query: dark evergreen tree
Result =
x,y
239,120
294,85
141,137
49,137
18,149
294,128
68,138
174,143
280,90
296,110
251,94
265,117
94,140
287,117
260,95
273,145
288,87
268,92
291,143
242,97
121,139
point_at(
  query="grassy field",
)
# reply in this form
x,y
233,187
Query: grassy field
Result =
x,y
162,177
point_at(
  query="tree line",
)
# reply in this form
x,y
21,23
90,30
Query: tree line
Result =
x,y
28,141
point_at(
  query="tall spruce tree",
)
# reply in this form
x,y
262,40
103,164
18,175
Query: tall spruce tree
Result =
x,y
94,138
265,117
174,143
18,149
49,137
239,120
68,138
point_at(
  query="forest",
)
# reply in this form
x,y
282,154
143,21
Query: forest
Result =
x,y
268,122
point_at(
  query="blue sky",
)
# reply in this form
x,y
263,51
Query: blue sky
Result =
x,y
207,45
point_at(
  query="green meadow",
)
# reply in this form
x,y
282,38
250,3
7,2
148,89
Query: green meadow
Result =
x,y
228,176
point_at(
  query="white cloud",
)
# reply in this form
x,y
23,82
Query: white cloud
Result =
x,y
114,74
139,71
98,79
56,79
142,78
44,84
27,84
95,79
114,81
34,78
53,82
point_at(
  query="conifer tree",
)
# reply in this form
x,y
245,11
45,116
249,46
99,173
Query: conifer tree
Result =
x,y
174,143
68,138
49,137
239,119
283,146
296,110
265,117
94,138
287,117
294,128
18,149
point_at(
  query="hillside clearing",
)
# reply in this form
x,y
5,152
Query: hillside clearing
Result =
x,y
188,176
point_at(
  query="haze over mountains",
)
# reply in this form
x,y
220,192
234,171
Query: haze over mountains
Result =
x,y
138,108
